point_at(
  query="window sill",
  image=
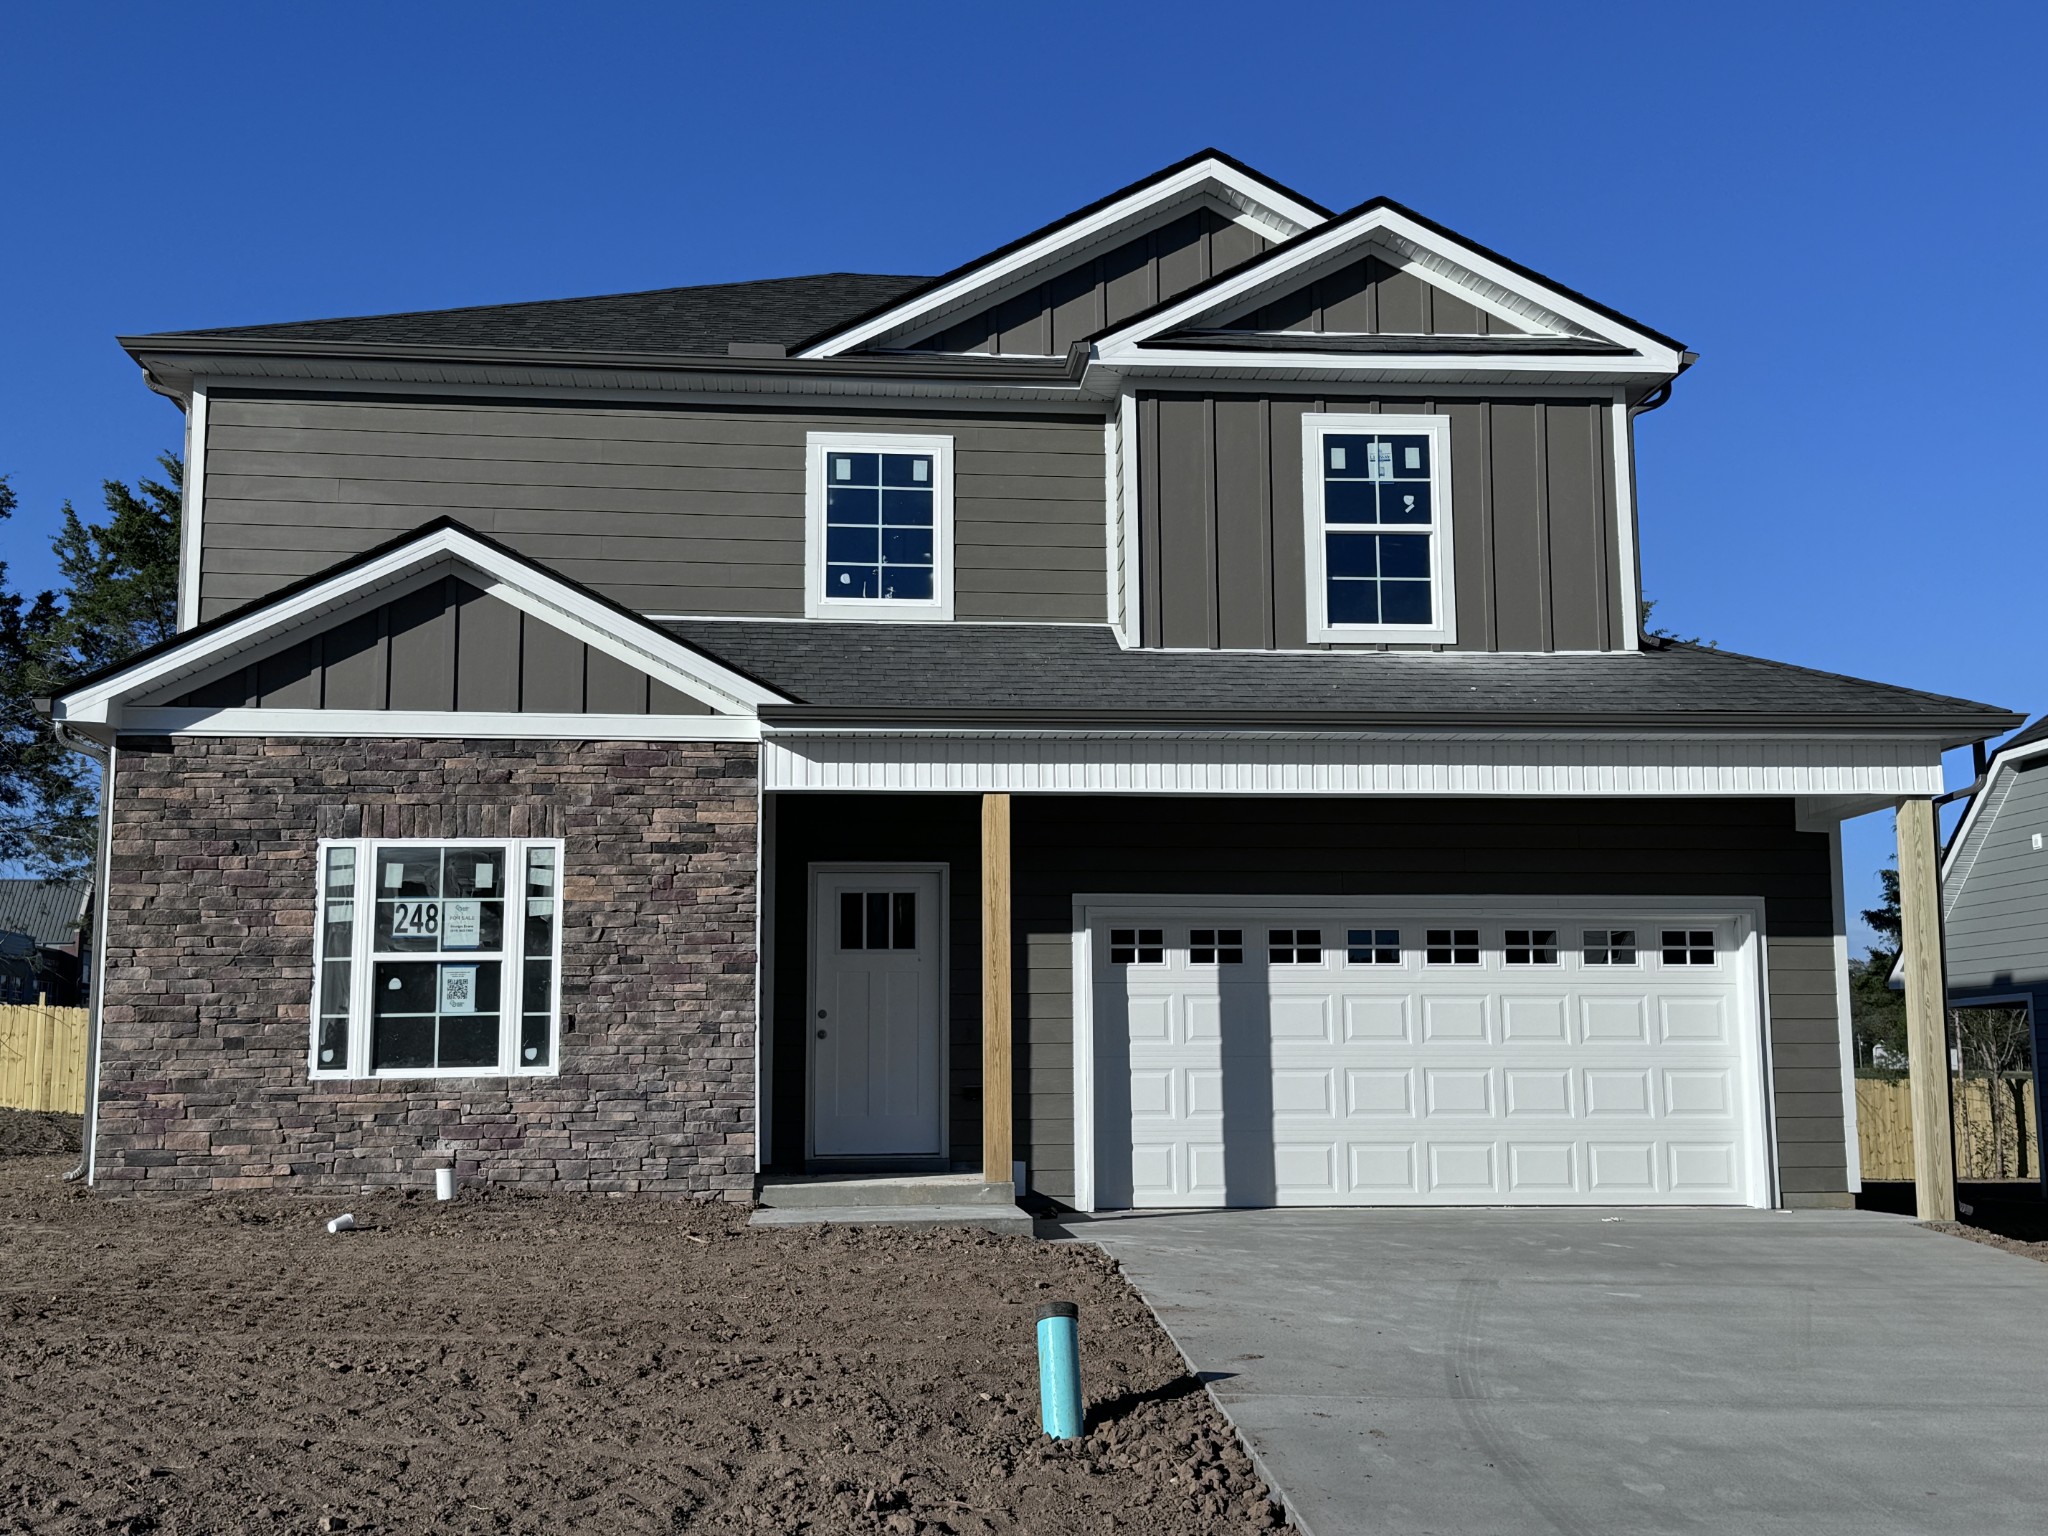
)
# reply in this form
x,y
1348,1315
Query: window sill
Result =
x,y
436,1075
879,608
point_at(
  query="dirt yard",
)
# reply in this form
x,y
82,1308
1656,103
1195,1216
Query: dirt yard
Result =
x,y
546,1364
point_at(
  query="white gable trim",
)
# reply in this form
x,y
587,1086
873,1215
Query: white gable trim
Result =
x,y
1449,263
1997,783
1272,214
437,724
444,551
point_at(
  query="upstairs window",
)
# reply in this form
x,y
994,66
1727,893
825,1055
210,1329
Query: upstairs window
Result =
x,y
1376,491
878,515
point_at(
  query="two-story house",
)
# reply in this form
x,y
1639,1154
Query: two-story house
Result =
x,y
1162,704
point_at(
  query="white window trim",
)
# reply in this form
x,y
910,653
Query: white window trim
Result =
x,y
1315,426
817,445
512,984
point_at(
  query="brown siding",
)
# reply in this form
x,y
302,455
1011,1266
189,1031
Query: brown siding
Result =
x,y
209,944
1372,296
663,510
1533,499
446,646
1105,290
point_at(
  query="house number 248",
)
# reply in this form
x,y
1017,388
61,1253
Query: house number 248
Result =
x,y
410,919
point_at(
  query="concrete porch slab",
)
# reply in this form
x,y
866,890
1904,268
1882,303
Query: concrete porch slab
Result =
x,y
995,1218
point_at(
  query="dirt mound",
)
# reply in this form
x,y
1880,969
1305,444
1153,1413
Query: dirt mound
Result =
x,y
528,1363
38,1133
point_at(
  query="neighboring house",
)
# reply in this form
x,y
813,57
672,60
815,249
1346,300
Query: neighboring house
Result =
x,y
41,922
1994,889
604,731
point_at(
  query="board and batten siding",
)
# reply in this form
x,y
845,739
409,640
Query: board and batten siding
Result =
x,y
1533,502
1070,846
1104,290
1997,919
1374,297
663,510
445,646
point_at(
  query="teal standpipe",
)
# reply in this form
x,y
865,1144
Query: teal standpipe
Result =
x,y
1059,1369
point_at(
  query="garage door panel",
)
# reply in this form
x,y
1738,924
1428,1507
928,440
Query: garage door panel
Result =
x,y
1535,1020
1548,1070
1458,1019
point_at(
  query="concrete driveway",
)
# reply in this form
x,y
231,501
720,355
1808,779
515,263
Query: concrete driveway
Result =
x,y
1493,1373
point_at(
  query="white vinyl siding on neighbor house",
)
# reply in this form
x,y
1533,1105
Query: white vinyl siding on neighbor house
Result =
x,y
878,526
437,958
1376,496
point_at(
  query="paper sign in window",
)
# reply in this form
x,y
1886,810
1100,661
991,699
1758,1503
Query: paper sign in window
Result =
x,y
458,989
462,924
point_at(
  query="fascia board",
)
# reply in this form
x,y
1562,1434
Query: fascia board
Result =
x,y
441,725
1474,366
1341,236
504,577
1239,188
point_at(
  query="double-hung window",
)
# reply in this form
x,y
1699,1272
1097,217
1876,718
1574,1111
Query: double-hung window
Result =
x,y
1376,491
878,526
437,958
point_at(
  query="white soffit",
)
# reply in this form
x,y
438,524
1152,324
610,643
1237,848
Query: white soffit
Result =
x,y
207,655
1450,264
1233,193
1223,763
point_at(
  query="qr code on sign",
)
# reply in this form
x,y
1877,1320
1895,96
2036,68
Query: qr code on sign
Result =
x,y
458,989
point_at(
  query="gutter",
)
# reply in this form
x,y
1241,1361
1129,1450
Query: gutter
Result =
x,y
97,974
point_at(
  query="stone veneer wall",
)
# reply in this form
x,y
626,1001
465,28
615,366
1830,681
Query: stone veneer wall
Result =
x,y
210,911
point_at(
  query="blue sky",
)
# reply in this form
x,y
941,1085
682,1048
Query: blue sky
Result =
x,y
1838,206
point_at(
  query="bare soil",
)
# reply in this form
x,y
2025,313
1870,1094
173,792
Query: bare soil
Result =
x,y
1999,1240
512,1363
38,1133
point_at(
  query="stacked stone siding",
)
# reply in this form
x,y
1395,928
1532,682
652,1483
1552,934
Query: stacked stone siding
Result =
x,y
210,917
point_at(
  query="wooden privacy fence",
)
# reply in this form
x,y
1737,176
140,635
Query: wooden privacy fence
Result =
x,y
2001,1145
42,1057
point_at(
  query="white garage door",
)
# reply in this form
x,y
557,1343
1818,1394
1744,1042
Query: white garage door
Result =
x,y
1318,1055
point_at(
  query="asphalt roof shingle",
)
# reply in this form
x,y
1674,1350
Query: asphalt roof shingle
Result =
x,y
46,910
701,320
968,670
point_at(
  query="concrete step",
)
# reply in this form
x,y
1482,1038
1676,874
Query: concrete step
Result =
x,y
868,1190
995,1218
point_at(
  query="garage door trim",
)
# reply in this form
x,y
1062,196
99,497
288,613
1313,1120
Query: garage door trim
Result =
x,y
1750,990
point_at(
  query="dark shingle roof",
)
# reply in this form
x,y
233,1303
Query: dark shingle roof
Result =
x,y
46,910
967,671
2038,731
698,320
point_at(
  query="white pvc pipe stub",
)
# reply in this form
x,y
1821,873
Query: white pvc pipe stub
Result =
x,y
444,1183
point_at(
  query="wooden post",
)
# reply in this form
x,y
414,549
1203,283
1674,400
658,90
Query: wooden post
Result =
x,y
1926,977
996,1024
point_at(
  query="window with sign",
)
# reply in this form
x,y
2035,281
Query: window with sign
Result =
x,y
437,958
1377,494
879,526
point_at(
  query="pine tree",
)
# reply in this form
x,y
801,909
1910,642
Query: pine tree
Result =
x,y
120,585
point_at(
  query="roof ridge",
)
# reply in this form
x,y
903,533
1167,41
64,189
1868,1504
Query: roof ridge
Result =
x,y
510,304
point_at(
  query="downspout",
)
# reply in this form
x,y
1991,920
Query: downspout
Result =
x,y
97,973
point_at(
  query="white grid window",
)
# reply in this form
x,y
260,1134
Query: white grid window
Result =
x,y
1610,946
1373,946
437,959
1529,946
878,526
1377,493
1688,946
1216,946
1137,946
1294,946
1452,946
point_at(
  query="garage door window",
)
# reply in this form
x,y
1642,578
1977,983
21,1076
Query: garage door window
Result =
x,y
1531,946
1295,946
1688,946
1453,946
1610,946
1137,946
1216,946
1373,946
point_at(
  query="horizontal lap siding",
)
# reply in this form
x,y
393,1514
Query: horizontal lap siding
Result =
x,y
1222,521
695,511
1204,847
1997,924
